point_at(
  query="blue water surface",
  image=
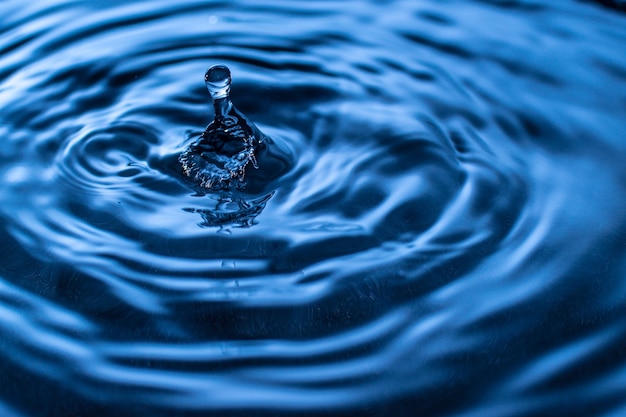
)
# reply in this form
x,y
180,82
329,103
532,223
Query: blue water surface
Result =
x,y
447,235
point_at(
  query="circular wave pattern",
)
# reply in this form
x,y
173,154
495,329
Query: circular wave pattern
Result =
x,y
447,224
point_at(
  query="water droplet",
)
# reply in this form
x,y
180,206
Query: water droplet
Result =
x,y
217,80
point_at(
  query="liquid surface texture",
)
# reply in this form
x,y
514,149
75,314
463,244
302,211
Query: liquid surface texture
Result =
x,y
439,229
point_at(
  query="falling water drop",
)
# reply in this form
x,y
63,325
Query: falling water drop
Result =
x,y
230,144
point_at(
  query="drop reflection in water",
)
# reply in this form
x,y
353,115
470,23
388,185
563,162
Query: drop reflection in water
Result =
x,y
221,159
232,212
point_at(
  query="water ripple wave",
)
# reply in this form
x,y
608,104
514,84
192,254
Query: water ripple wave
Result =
x,y
445,236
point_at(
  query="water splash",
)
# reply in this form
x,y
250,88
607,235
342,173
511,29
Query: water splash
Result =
x,y
229,145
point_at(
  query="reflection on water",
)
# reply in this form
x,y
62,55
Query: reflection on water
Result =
x,y
229,211
435,229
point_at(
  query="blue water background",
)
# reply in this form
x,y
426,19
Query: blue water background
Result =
x,y
447,238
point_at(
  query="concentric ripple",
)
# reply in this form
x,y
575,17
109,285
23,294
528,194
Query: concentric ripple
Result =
x,y
445,236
